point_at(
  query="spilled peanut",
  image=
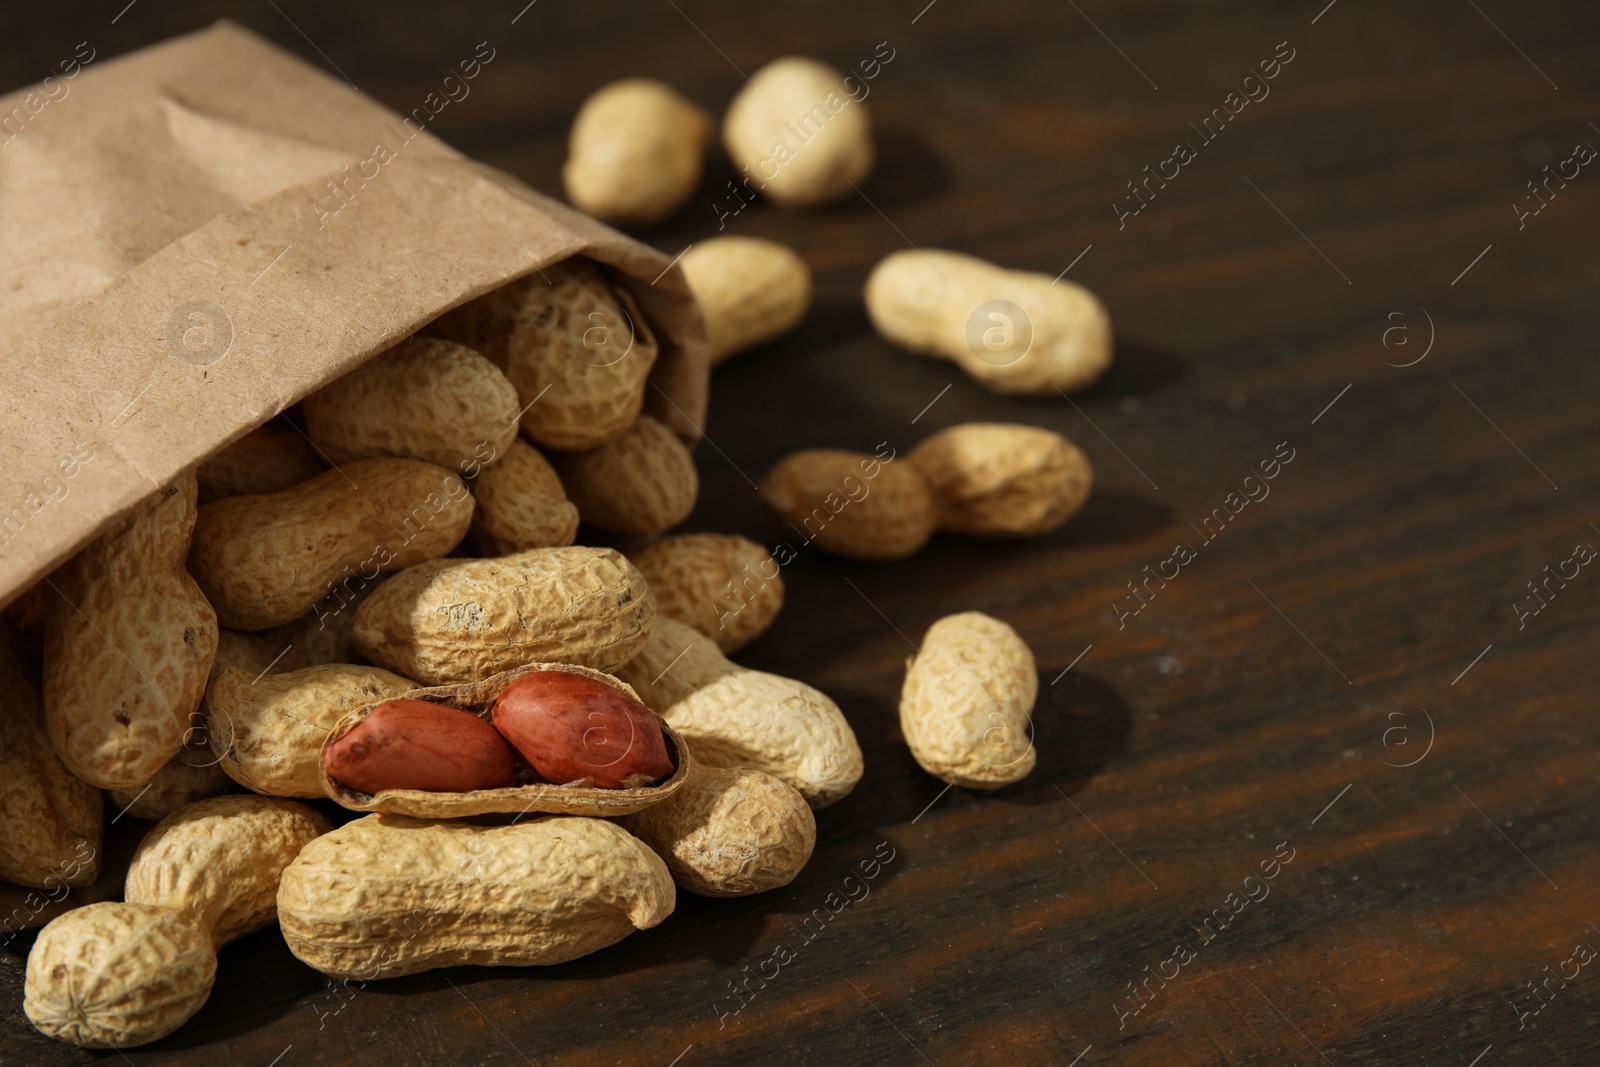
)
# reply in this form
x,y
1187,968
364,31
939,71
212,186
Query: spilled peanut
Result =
x,y
800,100
1015,332
750,291
966,708
634,154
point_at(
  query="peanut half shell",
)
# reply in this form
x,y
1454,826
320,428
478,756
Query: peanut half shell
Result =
x,y
530,794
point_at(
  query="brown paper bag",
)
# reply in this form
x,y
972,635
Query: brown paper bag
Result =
x,y
199,234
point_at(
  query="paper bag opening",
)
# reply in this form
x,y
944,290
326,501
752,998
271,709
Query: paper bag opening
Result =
x,y
209,230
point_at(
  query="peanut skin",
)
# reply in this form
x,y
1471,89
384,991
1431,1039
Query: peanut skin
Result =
x,y
575,793
569,727
416,744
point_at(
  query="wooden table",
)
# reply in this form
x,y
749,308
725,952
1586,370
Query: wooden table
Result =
x,y
1337,689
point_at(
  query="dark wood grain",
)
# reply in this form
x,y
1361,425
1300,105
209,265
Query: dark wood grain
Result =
x,y
1265,696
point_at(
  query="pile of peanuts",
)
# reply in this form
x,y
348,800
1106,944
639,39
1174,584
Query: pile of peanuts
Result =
x,y
375,605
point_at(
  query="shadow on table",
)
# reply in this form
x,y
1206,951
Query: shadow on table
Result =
x,y
258,981
905,171
725,931
1136,369
1111,517
1080,724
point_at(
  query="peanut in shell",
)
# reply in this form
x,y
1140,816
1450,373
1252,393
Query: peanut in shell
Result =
x,y
426,398
967,704
265,560
644,482
129,640
726,586
852,504
735,717
579,354
459,620
51,833
995,479
521,504
730,832
117,974
390,895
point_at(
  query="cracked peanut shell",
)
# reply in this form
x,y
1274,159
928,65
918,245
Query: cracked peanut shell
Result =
x,y
966,708
266,560
390,895
998,479
730,832
734,717
460,620
129,639
531,793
